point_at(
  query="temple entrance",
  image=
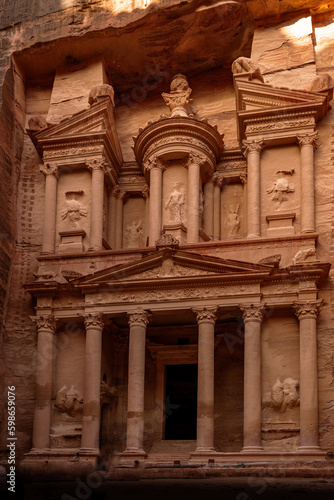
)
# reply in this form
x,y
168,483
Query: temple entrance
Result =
x,y
181,402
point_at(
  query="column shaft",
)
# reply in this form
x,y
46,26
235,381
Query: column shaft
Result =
x,y
50,208
193,201
155,204
309,427
307,145
92,379
119,220
252,378
112,200
96,221
216,211
45,352
136,382
253,151
208,208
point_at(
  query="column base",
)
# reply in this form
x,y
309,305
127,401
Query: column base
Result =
x,y
252,449
205,450
309,449
95,249
132,455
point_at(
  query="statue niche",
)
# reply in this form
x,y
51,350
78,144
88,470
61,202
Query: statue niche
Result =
x,y
175,204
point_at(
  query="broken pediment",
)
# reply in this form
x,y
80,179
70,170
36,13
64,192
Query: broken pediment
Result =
x,y
170,265
82,136
276,114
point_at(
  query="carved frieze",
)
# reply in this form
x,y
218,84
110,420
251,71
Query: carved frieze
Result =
x,y
277,125
72,152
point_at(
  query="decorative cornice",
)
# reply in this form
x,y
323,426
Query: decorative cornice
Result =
x,y
309,139
49,169
253,312
138,318
205,314
252,146
44,323
307,310
94,320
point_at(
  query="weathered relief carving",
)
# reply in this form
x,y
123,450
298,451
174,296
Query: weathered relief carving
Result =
x,y
69,401
167,240
281,186
107,393
178,100
284,395
232,220
247,65
74,210
37,122
45,275
303,254
101,91
175,203
134,234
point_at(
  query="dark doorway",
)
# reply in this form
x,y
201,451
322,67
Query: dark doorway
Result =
x,y
181,402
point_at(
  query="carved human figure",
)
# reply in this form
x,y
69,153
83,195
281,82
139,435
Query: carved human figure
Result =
x,y
232,220
134,233
285,394
247,65
175,204
178,100
73,211
281,186
69,401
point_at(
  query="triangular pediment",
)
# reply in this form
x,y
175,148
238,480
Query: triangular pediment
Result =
x,y
95,125
171,265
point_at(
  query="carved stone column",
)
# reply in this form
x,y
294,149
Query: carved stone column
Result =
x,y
252,316
136,380
194,163
46,327
307,314
50,207
92,379
307,144
146,195
206,318
216,206
119,218
97,167
112,200
155,167
208,207
252,152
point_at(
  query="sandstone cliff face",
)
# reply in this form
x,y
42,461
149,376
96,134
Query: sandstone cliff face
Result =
x,y
148,43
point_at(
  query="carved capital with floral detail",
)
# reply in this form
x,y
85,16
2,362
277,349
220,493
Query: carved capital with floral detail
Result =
x,y
44,323
195,158
218,179
253,312
307,310
49,169
96,165
205,314
93,320
309,139
154,162
252,146
138,318
243,178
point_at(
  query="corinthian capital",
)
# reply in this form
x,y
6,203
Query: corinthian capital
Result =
x,y
195,158
253,145
49,169
218,179
93,320
307,310
138,318
253,312
309,139
205,314
97,164
44,323
154,162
